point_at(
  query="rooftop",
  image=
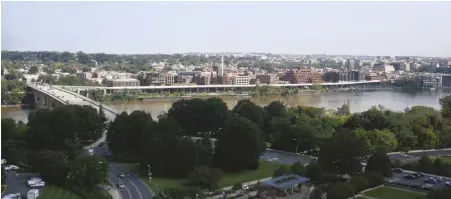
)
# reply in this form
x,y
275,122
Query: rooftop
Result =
x,y
285,181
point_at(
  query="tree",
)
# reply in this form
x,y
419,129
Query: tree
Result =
x,y
341,190
445,104
205,177
102,115
127,133
359,182
276,109
298,169
314,171
425,164
316,193
381,163
344,110
197,116
33,70
63,126
247,109
282,170
382,139
170,156
52,165
205,150
344,152
86,172
239,145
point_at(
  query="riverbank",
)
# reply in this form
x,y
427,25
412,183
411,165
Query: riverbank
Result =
x,y
247,94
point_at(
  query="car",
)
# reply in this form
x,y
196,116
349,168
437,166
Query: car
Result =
x,y
438,178
11,168
122,175
448,184
430,180
417,175
397,170
120,185
420,174
13,196
427,186
410,177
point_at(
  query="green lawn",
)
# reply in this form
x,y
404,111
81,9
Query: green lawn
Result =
x,y
3,188
392,193
54,192
265,170
445,159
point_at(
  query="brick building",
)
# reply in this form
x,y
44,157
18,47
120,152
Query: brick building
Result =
x,y
303,75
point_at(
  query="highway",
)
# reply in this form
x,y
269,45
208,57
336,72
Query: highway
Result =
x,y
134,187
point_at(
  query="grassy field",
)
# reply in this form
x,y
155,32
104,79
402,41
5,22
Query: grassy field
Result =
x,y
53,192
392,193
445,159
265,170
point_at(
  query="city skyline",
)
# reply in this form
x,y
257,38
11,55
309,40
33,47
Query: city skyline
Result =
x,y
339,28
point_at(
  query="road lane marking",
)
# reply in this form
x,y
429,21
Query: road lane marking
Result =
x,y
140,196
128,191
118,191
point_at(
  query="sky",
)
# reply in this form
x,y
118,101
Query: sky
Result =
x,y
336,28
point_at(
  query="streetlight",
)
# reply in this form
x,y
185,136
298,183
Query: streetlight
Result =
x,y
148,172
297,144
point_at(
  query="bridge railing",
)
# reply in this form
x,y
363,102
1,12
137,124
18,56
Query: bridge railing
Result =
x,y
47,93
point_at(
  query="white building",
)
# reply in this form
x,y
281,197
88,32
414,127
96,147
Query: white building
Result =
x,y
241,80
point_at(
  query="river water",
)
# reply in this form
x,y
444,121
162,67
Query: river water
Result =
x,y
358,101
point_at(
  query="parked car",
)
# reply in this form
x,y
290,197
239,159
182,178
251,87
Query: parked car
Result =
x,y
448,184
438,178
397,170
11,168
420,174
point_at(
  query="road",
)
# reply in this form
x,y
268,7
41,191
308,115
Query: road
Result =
x,y
399,178
134,188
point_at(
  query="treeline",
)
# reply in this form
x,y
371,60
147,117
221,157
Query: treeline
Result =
x,y
51,144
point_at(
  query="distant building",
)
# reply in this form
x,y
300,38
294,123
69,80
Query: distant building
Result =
x,y
241,80
267,78
122,82
374,76
304,75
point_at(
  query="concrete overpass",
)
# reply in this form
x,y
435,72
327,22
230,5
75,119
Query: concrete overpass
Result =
x,y
217,87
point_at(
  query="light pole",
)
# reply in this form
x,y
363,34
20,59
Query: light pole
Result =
x,y
297,144
148,172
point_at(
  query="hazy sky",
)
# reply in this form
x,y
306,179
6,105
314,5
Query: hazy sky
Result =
x,y
360,28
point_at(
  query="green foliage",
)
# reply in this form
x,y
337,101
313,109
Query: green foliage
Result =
x,y
13,91
205,177
237,186
247,109
344,152
298,169
87,172
381,163
52,165
314,171
62,127
282,170
197,116
341,190
127,133
239,145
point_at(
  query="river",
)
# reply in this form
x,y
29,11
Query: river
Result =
x,y
358,101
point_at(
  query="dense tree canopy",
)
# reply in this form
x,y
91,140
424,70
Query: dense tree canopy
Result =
x,y
127,133
63,126
239,145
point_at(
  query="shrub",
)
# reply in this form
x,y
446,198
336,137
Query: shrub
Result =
x,y
282,170
237,186
374,178
341,190
360,183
